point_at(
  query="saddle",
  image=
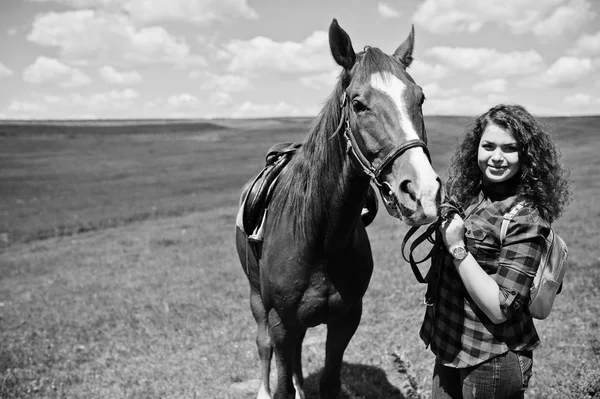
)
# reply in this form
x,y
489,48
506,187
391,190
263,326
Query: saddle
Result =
x,y
260,190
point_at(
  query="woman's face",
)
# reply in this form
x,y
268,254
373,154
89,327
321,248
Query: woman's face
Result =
x,y
498,155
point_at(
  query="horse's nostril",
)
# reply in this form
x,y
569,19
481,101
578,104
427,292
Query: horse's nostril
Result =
x,y
405,186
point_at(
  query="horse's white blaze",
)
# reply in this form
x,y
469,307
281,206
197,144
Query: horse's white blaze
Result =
x,y
394,88
426,184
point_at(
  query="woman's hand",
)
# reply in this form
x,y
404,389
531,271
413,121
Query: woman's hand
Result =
x,y
453,230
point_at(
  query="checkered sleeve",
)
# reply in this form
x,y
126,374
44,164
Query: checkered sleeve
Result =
x,y
519,258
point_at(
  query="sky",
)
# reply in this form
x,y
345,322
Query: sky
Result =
x,y
138,59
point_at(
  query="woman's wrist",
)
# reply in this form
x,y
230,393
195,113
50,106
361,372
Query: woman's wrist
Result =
x,y
453,245
458,251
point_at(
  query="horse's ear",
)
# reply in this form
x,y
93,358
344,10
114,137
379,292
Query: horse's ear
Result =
x,y
404,52
341,46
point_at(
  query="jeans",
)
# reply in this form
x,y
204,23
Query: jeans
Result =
x,y
504,376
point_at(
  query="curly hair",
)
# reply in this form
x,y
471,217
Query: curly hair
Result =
x,y
542,182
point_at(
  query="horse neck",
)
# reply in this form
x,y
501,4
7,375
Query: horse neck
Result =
x,y
346,203
334,189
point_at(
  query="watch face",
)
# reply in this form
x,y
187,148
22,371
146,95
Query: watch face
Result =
x,y
459,253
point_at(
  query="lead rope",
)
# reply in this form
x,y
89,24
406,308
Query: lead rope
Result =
x,y
436,254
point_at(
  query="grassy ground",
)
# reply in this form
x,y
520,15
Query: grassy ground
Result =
x,y
158,308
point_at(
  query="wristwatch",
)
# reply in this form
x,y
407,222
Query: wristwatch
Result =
x,y
459,252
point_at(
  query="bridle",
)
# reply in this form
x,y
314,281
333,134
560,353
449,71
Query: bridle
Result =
x,y
374,171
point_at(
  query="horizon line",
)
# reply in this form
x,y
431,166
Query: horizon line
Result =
x,y
210,119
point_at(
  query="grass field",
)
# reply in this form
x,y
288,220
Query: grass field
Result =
x,y
119,278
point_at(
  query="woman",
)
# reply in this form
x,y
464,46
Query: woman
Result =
x,y
479,326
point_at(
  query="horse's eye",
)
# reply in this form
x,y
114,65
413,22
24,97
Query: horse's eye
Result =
x,y
422,100
358,106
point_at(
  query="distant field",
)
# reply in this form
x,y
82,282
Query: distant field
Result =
x,y
63,178
119,279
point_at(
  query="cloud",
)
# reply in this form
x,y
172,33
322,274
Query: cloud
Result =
x,y
461,104
582,99
318,81
88,103
111,99
564,72
115,103
583,103
184,100
86,35
434,90
586,45
567,17
252,110
423,72
144,11
387,11
91,4
544,18
112,76
225,82
199,11
24,107
46,69
186,105
4,71
489,62
490,86
220,99
264,54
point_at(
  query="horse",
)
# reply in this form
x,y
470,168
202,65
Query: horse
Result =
x,y
315,260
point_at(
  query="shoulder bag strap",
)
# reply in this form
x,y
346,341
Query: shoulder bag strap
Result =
x,y
508,216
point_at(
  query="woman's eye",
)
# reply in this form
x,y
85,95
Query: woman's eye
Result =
x,y
358,106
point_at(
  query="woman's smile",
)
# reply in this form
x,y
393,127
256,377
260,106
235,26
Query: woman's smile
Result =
x,y
497,155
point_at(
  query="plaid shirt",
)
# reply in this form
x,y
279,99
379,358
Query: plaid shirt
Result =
x,y
459,333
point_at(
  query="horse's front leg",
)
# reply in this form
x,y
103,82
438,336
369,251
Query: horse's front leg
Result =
x,y
297,376
339,334
263,342
284,343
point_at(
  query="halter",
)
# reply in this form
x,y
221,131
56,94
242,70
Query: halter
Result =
x,y
354,151
374,172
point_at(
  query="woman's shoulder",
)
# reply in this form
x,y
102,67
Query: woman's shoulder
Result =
x,y
519,212
528,215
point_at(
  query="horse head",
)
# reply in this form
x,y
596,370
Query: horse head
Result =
x,y
385,132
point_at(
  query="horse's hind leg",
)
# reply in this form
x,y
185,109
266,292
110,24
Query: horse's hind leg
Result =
x,y
263,342
339,334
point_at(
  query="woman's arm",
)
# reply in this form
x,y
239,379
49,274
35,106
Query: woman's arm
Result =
x,y
482,288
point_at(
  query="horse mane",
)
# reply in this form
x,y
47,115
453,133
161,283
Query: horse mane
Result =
x,y
316,168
